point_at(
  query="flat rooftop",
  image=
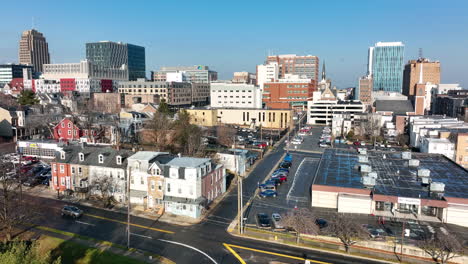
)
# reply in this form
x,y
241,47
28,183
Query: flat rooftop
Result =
x,y
340,168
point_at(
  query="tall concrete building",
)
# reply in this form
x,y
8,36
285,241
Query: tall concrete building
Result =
x,y
33,49
386,66
193,74
114,54
305,66
8,72
411,74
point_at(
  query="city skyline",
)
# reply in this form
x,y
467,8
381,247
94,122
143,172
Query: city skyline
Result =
x,y
227,43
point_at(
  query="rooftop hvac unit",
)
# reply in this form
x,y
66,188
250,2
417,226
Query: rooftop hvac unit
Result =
x,y
368,181
413,163
425,180
424,173
363,159
372,175
406,155
366,168
437,187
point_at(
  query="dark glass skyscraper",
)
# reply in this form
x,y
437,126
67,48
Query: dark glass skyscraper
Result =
x,y
115,54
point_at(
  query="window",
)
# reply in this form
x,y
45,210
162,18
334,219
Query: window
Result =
x,y
152,185
142,180
63,125
62,155
80,170
101,158
55,168
81,156
62,181
73,170
160,186
131,180
119,160
168,187
69,132
69,125
179,190
62,168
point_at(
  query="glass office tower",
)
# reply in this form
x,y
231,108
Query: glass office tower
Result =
x,y
115,54
386,66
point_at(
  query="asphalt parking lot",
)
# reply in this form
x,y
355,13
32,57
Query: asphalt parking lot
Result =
x,y
311,141
291,194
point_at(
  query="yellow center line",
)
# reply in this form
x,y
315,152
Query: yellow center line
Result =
x,y
234,253
273,253
123,222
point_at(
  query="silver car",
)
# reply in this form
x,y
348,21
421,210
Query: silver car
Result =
x,y
276,219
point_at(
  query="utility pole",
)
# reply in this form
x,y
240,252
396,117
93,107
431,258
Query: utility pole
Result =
x,y
240,201
129,169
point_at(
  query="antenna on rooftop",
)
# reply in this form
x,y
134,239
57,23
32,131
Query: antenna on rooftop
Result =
x,y
420,53
32,23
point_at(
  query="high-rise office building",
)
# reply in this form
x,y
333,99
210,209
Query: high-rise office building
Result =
x,y
33,49
412,73
114,54
386,66
304,66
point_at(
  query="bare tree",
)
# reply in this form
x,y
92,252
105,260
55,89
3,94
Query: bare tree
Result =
x,y
104,186
302,221
370,127
347,229
442,247
160,126
13,209
225,135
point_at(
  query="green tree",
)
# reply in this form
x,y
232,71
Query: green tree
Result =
x,y
163,107
19,252
350,135
27,97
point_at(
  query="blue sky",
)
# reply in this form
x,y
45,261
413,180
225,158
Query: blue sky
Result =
x,y
237,35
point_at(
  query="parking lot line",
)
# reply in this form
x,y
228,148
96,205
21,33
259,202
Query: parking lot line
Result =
x,y
123,222
273,253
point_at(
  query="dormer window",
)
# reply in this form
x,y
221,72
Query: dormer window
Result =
x,y
136,165
118,160
101,158
62,155
81,156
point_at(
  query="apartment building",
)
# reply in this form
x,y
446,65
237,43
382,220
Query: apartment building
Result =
x,y
419,126
279,119
453,104
83,169
364,91
180,185
244,77
304,66
422,71
235,95
268,72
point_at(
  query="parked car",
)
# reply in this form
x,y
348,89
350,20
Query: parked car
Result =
x,y
46,181
321,223
357,143
262,145
268,193
72,211
32,181
279,173
45,172
323,145
263,220
281,178
267,186
288,157
285,164
31,159
282,169
276,219
25,169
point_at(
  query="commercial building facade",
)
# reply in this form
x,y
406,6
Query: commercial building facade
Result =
x,y
194,74
288,92
386,66
383,184
267,118
113,55
8,72
322,111
83,70
268,72
33,49
364,93
303,66
244,77
235,95
420,71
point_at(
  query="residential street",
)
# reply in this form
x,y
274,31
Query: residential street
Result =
x,y
202,243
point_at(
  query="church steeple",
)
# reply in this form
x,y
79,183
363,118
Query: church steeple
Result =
x,y
324,76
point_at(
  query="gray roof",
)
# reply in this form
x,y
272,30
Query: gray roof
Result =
x,y
187,162
146,155
91,156
398,107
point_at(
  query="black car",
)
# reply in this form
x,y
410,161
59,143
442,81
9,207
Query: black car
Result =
x,y
46,180
32,181
45,172
285,164
263,220
321,223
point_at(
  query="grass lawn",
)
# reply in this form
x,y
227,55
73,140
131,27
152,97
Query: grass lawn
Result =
x,y
74,253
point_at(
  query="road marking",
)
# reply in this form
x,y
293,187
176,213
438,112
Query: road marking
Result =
x,y
234,253
84,223
188,246
133,234
295,177
123,222
276,254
